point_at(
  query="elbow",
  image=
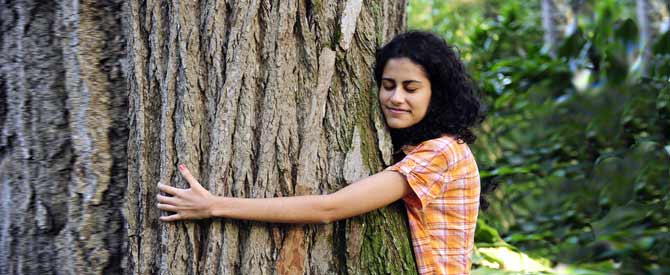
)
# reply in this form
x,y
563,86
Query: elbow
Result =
x,y
328,210
325,220
328,218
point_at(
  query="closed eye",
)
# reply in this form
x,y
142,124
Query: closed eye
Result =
x,y
388,83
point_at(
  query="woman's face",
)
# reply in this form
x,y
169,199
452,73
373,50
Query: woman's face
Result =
x,y
405,93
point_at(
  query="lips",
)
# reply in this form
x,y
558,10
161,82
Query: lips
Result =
x,y
396,110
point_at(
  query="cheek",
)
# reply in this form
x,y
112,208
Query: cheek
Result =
x,y
426,103
422,105
422,101
426,99
382,96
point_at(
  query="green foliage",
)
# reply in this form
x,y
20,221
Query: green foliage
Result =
x,y
579,142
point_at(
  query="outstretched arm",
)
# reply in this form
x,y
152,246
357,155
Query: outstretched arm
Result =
x,y
365,195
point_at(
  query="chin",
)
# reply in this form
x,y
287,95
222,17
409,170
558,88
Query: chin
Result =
x,y
397,125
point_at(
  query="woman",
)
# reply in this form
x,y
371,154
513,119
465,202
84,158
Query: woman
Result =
x,y
430,106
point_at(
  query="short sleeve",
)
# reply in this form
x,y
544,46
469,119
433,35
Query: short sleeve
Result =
x,y
424,169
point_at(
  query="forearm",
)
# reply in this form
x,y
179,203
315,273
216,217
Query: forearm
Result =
x,y
299,209
198,203
366,195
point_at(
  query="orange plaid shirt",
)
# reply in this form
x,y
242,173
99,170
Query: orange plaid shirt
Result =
x,y
443,208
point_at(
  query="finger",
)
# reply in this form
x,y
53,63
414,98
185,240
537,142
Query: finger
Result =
x,y
168,189
171,218
189,178
167,207
165,199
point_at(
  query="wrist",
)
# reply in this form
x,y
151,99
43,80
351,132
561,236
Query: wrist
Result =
x,y
214,205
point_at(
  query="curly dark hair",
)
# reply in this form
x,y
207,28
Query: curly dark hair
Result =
x,y
454,106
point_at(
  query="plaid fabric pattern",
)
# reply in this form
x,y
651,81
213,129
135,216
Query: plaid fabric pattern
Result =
x,y
443,208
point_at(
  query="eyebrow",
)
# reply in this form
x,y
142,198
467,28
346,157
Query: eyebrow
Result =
x,y
404,82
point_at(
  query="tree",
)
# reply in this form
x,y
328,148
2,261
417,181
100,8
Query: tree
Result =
x,y
549,25
642,9
653,19
63,107
559,19
259,99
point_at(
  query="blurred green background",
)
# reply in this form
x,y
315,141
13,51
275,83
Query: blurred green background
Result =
x,y
577,133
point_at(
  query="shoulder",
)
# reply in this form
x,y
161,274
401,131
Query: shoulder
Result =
x,y
446,148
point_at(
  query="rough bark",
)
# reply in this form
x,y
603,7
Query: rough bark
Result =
x,y
63,111
260,99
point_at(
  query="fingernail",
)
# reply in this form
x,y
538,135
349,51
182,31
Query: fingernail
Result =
x,y
182,167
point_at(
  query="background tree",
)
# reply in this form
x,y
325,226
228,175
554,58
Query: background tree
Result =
x,y
63,106
653,18
259,99
578,142
643,12
549,18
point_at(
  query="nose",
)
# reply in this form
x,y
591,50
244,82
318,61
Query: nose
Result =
x,y
397,96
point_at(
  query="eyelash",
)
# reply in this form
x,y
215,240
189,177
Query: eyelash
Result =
x,y
393,87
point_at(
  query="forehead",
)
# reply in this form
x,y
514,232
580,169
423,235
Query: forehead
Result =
x,y
403,68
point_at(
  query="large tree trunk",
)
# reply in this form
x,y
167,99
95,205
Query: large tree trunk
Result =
x,y
63,111
259,99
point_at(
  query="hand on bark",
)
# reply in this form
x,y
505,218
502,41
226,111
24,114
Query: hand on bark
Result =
x,y
192,203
